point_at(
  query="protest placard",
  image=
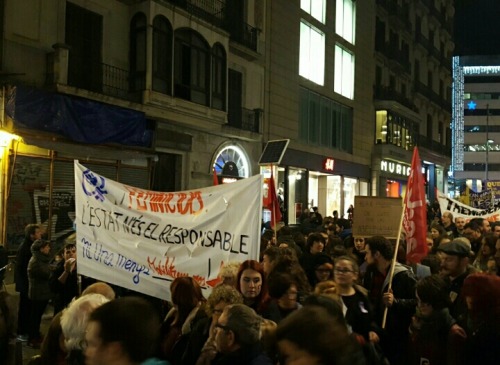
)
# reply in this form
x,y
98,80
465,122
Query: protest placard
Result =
x,y
459,209
376,216
142,240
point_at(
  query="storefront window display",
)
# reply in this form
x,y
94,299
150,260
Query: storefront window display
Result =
x,y
297,193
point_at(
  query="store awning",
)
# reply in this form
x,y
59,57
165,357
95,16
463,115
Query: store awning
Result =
x,y
77,119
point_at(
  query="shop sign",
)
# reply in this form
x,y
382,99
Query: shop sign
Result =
x,y
328,164
395,168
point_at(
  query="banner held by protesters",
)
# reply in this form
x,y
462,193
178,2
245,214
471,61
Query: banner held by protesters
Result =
x,y
142,240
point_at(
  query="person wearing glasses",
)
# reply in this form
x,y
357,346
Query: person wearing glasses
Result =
x,y
358,310
237,337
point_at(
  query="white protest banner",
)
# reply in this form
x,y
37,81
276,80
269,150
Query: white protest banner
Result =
x,y
142,240
459,209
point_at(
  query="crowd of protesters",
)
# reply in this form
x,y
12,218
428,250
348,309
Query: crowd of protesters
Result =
x,y
317,295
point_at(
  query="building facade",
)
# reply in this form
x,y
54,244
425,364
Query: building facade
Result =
x,y
476,113
185,79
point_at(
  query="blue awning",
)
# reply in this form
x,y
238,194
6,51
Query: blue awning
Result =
x,y
80,120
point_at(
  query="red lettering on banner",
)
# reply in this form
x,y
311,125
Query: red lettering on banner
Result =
x,y
157,202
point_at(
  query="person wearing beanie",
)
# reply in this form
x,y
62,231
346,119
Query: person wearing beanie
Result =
x,y
39,290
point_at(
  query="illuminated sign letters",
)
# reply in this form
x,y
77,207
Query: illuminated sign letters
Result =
x,y
395,168
329,164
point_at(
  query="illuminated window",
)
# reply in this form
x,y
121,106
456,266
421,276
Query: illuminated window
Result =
x,y
345,20
312,53
344,73
316,8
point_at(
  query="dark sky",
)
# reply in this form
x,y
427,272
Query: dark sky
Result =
x,y
477,27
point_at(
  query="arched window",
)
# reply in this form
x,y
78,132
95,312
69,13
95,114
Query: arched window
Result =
x,y
138,29
218,77
191,67
162,55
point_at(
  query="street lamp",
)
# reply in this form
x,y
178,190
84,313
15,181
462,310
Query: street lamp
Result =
x,y
488,142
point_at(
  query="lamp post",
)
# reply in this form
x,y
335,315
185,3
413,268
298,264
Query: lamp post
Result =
x,y
488,141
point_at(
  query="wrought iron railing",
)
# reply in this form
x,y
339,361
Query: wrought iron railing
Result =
x,y
246,119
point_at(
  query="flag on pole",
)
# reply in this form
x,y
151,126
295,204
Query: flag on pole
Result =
x,y
275,204
415,217
215,177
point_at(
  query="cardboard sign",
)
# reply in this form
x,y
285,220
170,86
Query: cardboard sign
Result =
x,y
142,240
374,216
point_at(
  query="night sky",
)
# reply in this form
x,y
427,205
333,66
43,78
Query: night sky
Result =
x,y
477,27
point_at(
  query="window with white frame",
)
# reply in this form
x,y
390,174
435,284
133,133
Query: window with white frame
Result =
x,y
345,20
344,72
316,8
312,53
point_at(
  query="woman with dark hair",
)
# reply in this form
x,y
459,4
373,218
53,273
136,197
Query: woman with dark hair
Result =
x,y
486,252
53,350
284,291
306,337
437,234
251,283
482,295
286,262
359,312
187,299
434,334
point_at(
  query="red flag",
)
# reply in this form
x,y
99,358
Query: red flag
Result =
x,y
216,178
415,216
275,204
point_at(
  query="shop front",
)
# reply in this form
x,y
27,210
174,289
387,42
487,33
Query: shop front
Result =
x,y
307,180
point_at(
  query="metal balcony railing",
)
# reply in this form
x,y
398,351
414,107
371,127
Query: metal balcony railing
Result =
x,y
213,11
245,119
429,143
387,93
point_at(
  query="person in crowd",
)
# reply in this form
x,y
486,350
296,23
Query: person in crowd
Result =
x,y
321,269
495,228
285,239
473,232
455,268
448,225
53,350
482,295
434,335
100,288
229,273
270,258
124,331
7,322
314,245
326,287
306,337
438,233
283,290
460,224
358,309
251,283
32,232
483,224
316,218
64,279
344,231
201,344
350,213
188,302
237,337
486,252
39,289
74,320
399,301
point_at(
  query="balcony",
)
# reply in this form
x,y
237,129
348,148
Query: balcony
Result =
x,y
430,144
216,12
422,40
387,93
245,119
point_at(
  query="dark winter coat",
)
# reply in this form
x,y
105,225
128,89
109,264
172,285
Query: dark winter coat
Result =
x,y
248,355
38,276
21,272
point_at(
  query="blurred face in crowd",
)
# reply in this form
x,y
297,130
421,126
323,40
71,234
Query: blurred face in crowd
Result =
x,y
45,249
485,249
344,273
486,226
471,234
359,244
267,264
369,257
424,308
446,219
250,283
289,299
496,230
69,253
430,243
37,235
317,247
294,355
224,337
434,233
452,265
460,223
217,311
324,272
497,246
96,353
